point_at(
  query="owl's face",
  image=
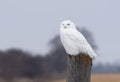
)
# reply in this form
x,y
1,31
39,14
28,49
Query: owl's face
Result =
x,y
67,25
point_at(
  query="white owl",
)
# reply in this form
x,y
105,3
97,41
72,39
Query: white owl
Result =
x,y
73,41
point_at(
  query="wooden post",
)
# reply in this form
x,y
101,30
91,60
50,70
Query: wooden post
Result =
x,y
79,68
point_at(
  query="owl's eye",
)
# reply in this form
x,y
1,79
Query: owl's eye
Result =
x,y
68,24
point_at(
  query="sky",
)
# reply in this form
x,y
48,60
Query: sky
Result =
x,y
31,24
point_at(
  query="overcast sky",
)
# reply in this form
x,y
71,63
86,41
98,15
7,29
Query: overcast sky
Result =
x,y
30,24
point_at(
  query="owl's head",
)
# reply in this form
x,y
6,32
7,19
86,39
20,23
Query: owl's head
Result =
x,y
67,24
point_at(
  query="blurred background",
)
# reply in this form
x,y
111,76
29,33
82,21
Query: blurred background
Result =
x,y
30,46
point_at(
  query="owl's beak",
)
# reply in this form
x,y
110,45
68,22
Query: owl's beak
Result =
x,y
65,27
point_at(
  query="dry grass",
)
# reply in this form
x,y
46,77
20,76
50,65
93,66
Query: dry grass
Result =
x,y
95,78
101,78
105,78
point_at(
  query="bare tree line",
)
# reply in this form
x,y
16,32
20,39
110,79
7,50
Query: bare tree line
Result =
x,y
19,63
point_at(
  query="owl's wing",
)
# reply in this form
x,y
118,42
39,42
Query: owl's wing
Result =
x,y
81,43
77,37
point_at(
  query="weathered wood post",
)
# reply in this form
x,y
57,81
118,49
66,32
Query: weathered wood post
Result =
x,y
79,68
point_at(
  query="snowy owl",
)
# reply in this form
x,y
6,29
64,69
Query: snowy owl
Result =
x,y
73,41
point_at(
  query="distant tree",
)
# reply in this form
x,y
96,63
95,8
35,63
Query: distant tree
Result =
x,y
18,63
